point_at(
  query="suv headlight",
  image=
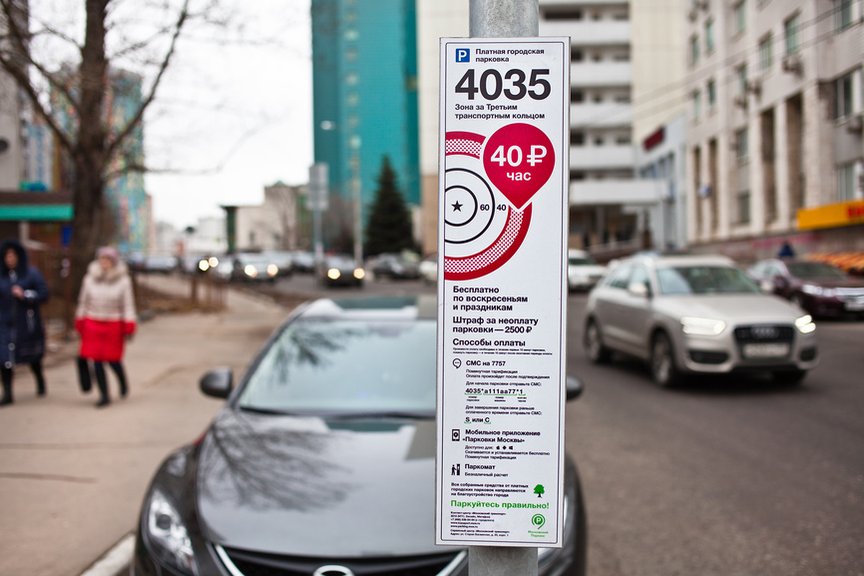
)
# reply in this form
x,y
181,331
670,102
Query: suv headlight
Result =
x,y
169,541
818,290
702,326
805,324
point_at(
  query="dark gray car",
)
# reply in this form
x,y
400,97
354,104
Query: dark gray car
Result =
x,y
324,455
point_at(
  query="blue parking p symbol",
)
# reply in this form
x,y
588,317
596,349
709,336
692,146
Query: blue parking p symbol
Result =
x,y
463,55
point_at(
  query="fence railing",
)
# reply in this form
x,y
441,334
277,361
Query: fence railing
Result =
x,y
153,292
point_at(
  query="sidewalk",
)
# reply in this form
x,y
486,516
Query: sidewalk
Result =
x,y
72,477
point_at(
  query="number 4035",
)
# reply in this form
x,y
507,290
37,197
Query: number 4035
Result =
x,y
513,84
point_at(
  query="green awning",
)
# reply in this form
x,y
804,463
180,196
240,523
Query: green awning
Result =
x,y
36,212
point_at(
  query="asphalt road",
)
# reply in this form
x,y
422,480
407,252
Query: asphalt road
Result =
x,y
729,476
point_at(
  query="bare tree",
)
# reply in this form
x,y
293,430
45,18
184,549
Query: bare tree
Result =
x,y
88,140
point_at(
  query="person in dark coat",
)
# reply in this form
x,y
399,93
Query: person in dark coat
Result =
x,y
22,334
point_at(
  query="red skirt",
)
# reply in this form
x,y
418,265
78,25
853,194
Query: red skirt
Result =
x,y
103,340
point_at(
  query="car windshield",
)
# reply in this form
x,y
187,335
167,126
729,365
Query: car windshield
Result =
x,y
344,366
814,270
580,261
704,279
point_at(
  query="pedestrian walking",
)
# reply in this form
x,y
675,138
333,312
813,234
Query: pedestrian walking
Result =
x,y
22,334
105,319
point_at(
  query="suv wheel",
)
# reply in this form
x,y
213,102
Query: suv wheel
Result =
x,y
597,352
663,369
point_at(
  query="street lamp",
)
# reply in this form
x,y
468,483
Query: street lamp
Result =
x,y
354,144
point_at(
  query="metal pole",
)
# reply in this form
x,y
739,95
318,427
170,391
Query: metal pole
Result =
x,y
503,19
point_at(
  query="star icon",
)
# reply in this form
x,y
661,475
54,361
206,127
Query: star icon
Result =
x,y
457,206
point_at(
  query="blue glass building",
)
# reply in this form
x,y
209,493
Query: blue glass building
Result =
x,y
364,76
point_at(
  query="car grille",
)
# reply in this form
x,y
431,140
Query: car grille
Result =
x,y
764,333
765,343
244,563
850,293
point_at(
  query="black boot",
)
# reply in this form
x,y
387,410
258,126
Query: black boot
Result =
x,y
117,367
6,376
102,384
36,367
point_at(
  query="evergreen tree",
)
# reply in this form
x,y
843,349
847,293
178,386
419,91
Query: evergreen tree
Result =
x,y
389,226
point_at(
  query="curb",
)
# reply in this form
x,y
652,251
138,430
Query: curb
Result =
x,y
116,561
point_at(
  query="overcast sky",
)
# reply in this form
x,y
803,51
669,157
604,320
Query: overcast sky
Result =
x,y
233,115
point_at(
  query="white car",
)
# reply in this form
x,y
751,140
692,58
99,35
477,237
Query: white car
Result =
x,y
697,314
583,272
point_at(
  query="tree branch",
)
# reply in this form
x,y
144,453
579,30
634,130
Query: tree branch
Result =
x,y
123,134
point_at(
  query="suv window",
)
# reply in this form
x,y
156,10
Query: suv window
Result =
x,y
620,276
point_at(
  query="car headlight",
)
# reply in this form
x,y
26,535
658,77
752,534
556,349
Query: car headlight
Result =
x,y
702,326
272,270
814,290
359,273
203,265
168,538
250,271
333,273
805,324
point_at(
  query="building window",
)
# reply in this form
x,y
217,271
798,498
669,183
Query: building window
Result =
x,y
740,17
742,146
709,37
790,33
577,138
741,79
578,55
843,104
846,182
711,94
743,201
694,50
351,34
577,96
623,140
842,14
351,79
766,53
697,104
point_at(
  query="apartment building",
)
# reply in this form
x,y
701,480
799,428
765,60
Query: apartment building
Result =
x,y
774,133
610,209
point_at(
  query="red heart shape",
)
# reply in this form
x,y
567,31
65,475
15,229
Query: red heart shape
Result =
x,y
518,159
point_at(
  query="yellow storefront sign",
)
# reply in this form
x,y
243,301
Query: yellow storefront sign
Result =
x,y
832,215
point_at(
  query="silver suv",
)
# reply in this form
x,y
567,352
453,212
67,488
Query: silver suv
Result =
x,y
697,314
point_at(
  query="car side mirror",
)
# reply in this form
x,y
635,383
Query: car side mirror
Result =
x,y
574,387
781,282
639,289
217,383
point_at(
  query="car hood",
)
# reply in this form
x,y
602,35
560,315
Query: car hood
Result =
x,y
832,282
731,308
313,487
586,270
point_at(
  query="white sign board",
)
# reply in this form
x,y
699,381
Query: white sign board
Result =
x,y
502,293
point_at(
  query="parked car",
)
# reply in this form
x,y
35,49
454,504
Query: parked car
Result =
x,y
819,288
322,460
697,315
253,267
583,272
303,261
428,268
284,261
342,270
395,266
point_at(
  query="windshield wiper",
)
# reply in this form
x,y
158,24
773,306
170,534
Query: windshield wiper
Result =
x,y
269,411
394,414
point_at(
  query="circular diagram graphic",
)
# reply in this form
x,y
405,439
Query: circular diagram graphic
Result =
x,y
482,231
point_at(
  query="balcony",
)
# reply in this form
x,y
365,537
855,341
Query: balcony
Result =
x,y
602,157
600,74
604,115
610,192
589,32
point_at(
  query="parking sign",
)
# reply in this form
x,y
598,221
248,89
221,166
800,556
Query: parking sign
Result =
x,y
503,173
